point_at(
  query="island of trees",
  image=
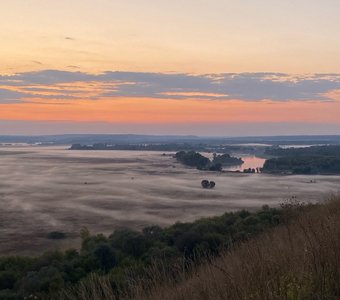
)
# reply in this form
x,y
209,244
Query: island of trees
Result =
x,y
197,160
309,160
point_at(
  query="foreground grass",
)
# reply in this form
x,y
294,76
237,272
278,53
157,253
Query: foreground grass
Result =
x,y
299,259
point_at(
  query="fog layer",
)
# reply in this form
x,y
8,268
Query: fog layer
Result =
x,y
45,189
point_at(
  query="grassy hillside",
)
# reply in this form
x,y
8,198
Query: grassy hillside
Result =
x,y
299,259
288,253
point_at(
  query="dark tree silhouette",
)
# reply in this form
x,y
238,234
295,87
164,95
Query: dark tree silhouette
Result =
x,y
205,184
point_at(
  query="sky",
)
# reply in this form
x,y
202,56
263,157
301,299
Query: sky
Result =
x,y
204,67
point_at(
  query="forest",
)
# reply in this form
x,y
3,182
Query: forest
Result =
x,y
125,250
323,160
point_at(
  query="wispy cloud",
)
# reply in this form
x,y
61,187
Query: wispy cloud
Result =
x,y
69,85
73,67
37,62
8,96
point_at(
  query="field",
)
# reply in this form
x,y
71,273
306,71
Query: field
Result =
x,y
44,189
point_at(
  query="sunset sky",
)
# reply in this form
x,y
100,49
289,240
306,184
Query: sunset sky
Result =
x,y
204,67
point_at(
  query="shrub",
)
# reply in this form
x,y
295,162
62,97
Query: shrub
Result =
x,y
56,235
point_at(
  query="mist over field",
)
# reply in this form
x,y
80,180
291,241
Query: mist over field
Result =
x,y
44,189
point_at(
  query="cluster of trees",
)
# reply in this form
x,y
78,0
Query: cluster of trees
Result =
x,y
303,165
252,170
45,275
310,160
206,184
226,160
195,159
330,150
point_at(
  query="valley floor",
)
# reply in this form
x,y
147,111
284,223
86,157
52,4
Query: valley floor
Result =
x,y
45,189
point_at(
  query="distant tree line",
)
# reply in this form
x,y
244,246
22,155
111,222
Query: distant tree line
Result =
x,y
252,170
310,160
139,147
330,150
200,147
303,165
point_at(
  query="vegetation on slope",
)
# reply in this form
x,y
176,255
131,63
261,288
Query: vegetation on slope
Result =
x,y
238,255
125,255
298,260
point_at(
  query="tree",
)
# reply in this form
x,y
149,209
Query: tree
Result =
x,y
106,256
205,184
187,242
129,242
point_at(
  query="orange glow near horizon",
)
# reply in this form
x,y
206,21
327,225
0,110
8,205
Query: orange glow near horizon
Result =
x,y
144,110
170,63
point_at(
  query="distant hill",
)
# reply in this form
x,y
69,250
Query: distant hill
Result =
x,y
136,138
95,138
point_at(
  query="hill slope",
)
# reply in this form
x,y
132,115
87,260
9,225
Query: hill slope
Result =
x,y
300,260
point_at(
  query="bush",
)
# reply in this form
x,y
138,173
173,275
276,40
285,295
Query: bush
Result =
x,y
129,242
56,235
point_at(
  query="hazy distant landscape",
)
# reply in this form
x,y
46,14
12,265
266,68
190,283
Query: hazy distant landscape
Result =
x,y
50,188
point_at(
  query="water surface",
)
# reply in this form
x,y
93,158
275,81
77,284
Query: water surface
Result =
x,y
250,161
